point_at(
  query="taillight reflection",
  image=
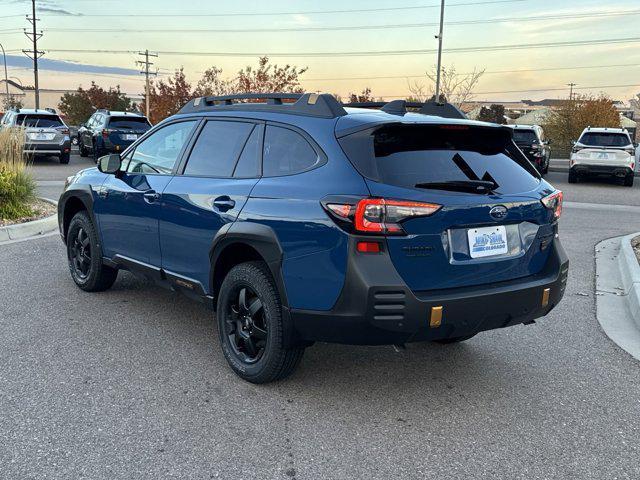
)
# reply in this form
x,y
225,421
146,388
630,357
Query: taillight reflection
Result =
x,y
554,202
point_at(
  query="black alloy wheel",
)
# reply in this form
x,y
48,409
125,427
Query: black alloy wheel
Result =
x,y
80,253
245,325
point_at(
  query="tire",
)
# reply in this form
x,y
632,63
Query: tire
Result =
x,y
573,177
448,341
83,150
87,270
64,158
628,180
252,335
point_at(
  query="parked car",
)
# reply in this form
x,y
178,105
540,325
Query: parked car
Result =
x,y
309,221
603,151
110,132
45,132
534,144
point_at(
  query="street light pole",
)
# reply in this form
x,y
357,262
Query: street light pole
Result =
x,y
6,77
439,52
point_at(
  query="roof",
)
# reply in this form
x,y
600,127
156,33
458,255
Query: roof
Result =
x,y
536,117
118,113
524,127
33,111
626,122
604,130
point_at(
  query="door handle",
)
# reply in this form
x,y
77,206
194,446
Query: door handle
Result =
x,y
224,203
151,197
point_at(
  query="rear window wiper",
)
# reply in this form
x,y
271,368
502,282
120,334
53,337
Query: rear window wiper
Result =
x,y
472,186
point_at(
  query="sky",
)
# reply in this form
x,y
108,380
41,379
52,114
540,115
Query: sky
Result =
x,y
324,35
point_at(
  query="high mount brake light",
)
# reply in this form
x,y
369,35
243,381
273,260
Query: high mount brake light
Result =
x,y
554,202
379,215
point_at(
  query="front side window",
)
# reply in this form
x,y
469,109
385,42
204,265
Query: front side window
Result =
x,y
286,152
604,139
217,148
158,153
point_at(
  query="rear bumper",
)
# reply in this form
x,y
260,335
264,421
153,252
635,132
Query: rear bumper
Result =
x,y
48,148
613,170
369,312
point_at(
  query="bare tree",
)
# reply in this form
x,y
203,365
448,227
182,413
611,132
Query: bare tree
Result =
x,y
456,88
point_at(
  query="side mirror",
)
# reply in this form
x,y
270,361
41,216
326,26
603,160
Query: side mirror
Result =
x,y
573,142
635,144
110,163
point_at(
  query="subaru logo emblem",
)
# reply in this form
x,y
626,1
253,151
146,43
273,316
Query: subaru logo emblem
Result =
x,y
498,212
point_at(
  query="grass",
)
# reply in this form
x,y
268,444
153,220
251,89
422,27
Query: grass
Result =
x,y
17,187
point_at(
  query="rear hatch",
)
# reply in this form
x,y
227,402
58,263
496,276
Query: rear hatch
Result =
x,y
604,148
492,225
125,130
42,128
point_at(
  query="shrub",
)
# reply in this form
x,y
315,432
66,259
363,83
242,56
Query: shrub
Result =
x,y
17,187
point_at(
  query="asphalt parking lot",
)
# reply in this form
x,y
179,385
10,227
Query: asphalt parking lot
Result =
x,y
131,383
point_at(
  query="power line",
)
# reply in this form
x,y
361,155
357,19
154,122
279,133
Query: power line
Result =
x,y
308,12
532,90
490,72
348,27
370,53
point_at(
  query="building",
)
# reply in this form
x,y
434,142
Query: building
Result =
x,y
49,98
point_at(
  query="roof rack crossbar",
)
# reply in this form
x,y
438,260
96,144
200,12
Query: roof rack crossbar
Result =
x,y
310,104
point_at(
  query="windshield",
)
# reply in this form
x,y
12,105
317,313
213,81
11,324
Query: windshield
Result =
x,y
525,136
408,155
604,139
39,121
129,123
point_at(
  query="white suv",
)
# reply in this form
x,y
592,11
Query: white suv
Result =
x,y
603,151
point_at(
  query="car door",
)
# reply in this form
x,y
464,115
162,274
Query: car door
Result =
x,y
128,203
86,132
216,179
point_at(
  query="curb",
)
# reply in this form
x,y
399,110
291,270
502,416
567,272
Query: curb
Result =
x,y
630,276
30,229
618,293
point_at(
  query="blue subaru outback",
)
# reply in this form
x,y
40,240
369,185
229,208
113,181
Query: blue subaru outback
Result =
x,y
299,220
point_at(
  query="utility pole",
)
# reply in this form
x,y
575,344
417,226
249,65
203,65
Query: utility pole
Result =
x,y
571,85
34,54
146,64
439,37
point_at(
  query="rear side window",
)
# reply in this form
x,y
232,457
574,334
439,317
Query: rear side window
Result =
x,y
217,148
39,121
604,139
407,155
129,123
287,152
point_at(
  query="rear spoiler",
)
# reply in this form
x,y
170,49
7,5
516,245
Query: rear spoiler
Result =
x,y
400,107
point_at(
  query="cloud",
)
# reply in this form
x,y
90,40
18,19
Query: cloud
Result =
x,y
49,6
68,66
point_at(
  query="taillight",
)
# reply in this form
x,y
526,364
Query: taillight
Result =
x,y
64,131
554,202
105,133
379,215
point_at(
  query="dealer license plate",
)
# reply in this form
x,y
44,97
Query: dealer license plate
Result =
x,y
487,241
130,136
39,137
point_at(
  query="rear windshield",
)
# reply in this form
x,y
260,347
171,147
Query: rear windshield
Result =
x,y
129,123
525,136
41,121
604,139
406,155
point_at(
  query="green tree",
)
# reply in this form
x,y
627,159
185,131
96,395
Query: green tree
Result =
x,y
493,114
77,107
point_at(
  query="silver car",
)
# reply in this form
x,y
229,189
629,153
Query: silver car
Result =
x,y
45,132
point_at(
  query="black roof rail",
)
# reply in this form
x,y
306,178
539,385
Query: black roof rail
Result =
x,y
50,110
309,104
399,107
